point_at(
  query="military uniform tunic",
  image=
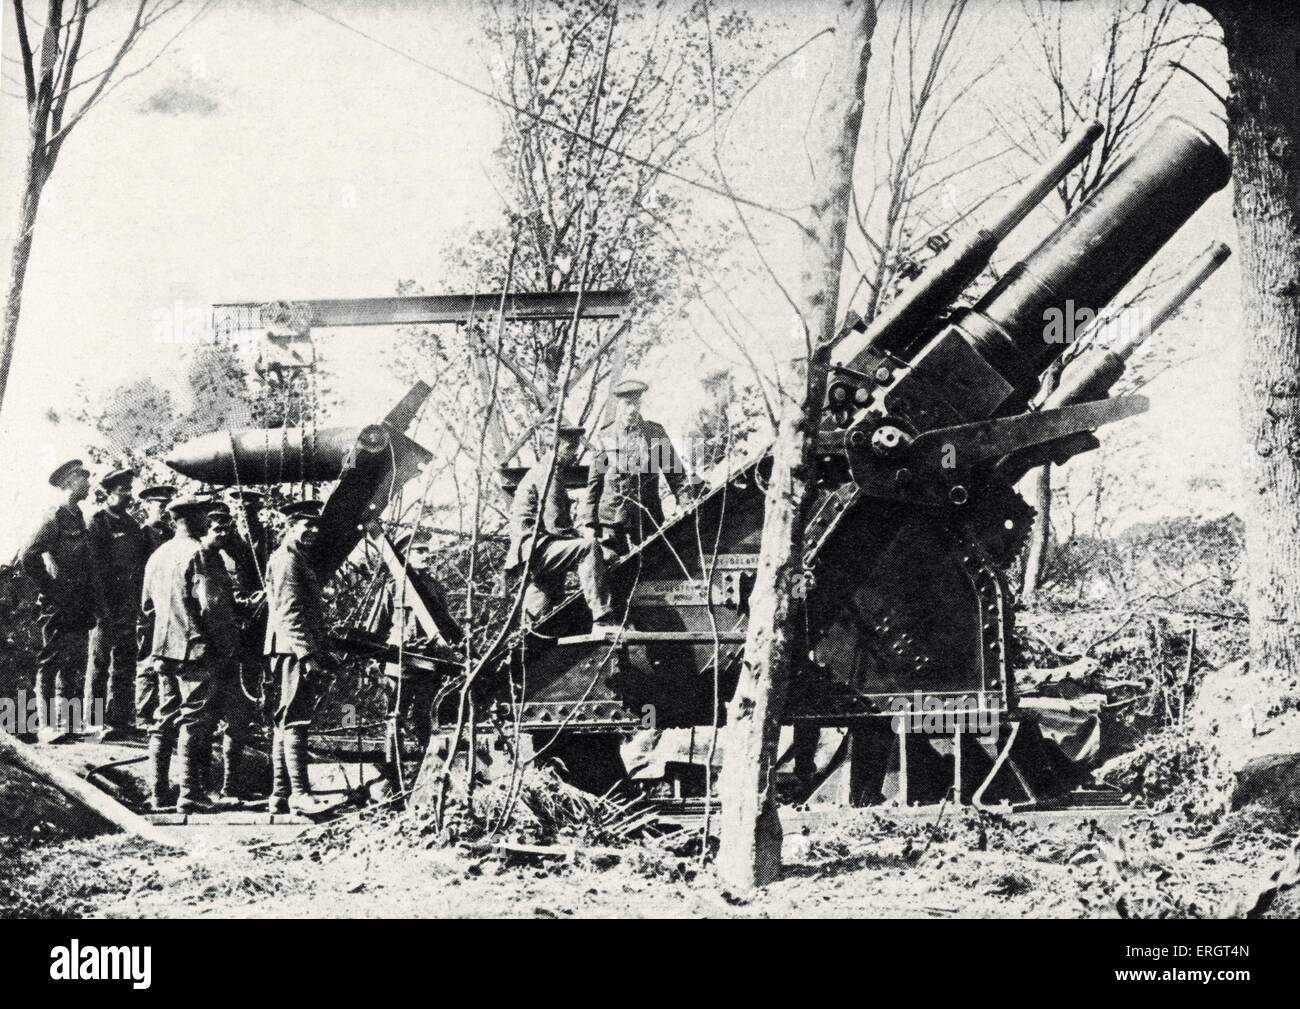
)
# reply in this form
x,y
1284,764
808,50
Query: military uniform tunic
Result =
x,y
121,548
295,632
58,558
623,501
558,548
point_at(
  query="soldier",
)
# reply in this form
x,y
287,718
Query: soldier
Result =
x,y
121,548
622,508
411,691
59,560
249,551
230,705
190,646
158,527
295,645
156,521
546,531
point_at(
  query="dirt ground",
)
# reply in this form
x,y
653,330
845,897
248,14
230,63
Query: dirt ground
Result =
x,y
855,864
1180,855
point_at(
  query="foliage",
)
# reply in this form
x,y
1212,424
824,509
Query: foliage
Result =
x,y
646,82
1174,770
1194,563
20,636
725,423
142,420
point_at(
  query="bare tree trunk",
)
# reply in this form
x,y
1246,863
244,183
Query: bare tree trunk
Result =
x,y
33,183
1263,46
48,72
750,854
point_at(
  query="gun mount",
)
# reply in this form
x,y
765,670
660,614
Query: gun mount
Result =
x,y
926,427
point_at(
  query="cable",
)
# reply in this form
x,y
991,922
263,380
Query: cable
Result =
x,y
541,120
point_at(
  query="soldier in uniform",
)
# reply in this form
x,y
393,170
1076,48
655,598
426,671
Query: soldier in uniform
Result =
x,y
158,528
121,548
623,508
157,523
230,704
543,528
58,558
300,663
249,552
410,692
191,641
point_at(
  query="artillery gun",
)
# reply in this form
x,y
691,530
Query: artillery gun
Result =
x,y
932,414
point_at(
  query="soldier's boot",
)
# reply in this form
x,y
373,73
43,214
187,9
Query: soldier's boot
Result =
x,y
297,762
57,728
146,696
279,799
232,752
195,752
212,785
161,798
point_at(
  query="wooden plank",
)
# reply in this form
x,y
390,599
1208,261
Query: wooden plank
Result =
x,y
612,634
48,769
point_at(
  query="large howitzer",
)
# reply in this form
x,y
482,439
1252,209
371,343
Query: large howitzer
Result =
x,y
927,424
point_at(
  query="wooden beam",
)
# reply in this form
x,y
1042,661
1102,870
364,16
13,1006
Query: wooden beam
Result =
x,y
430,309
49,770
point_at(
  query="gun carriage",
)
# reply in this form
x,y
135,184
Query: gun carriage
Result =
x,y
932,415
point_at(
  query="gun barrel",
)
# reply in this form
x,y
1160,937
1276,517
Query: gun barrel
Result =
x,y
1094,376
1075,271
907,318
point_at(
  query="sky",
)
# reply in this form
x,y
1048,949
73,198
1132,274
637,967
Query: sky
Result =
x,y
270,153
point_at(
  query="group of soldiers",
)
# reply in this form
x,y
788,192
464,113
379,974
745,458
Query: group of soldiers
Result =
x,y
621,508
179,612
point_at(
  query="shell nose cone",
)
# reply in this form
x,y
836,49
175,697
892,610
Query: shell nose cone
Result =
x,y
200,458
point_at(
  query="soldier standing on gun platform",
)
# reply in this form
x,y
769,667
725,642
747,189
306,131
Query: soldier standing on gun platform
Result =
x,y
295,645
622,507
121,548
189,648
59,560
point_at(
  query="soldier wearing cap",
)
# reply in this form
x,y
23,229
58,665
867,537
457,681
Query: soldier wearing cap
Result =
x,y
411,691
58,558
295,646
623,507
230,704
121,548
157,524
190,634
157,527
541,528
250,551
